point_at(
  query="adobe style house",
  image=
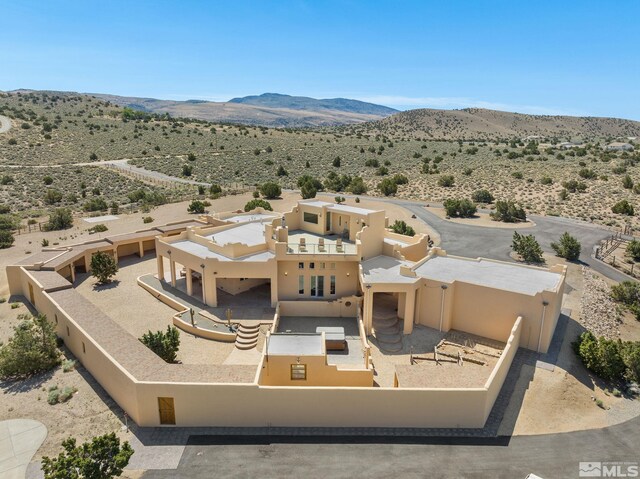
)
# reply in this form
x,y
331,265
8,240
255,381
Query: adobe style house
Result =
x,y
351,319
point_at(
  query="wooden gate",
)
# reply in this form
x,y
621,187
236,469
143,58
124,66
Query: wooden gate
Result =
x,y
167,411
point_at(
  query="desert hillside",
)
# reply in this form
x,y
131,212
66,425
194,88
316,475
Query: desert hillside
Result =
x,y
478,123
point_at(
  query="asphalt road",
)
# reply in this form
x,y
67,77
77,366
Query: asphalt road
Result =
x,y
549,456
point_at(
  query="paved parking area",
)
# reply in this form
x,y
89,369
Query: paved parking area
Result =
x,y
19,441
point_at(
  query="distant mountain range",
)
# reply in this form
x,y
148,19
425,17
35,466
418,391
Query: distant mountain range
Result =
x,y
269,109
476,123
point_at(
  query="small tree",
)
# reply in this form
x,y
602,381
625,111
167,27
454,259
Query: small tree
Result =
x,y
114,209
103,266
482,196
357,186
336,162
388,187
446,181
527,247
508,212
623,208
31,350
187,170
402,228
60,219
627,182
258,203
270,190
191,157
102,458
281,171
460,208
52,196
633,249
163,344
196,207
6,239
568,247
215,189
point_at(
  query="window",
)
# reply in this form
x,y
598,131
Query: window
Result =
x,y
317,286
332,285
301,284
321,265
310,218
332,266
300,265
312,265
56,316
68,332
84,349
298,372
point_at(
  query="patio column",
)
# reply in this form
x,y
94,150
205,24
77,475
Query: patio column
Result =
x,y
274,290
141,248
73,272
172,265
189,281
160,267
210,287
115,254
409,310
367,313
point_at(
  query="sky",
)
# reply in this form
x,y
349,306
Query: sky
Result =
x,y
541,57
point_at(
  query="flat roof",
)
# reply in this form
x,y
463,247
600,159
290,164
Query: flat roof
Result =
x,y
288,344
316,203
203,252
482,272
245,218
50,280
385,269
251,234
179,226
350,209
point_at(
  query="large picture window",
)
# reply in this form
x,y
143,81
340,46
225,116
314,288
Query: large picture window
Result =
x,y
310,218
298,372
301,284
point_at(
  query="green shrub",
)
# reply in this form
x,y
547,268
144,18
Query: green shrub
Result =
x,y
53,395
32,348
388,187
215,189
68,365
446,181
482,196
6,239
623,207
258,203
587,174
460,208
601,356
402,228
508,212
633,249
573,186
99,228
627,182
527,247
567,247
147,219
357,186
95,204
546,180
309,186
52,196
163,344
270,190
196,207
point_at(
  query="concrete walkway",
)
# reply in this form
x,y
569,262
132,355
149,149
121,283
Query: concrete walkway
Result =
x,y
19,441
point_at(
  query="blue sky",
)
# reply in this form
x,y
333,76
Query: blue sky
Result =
x,y
548,57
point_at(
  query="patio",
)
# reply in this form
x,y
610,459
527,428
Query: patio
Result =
x,y
303,242
352,354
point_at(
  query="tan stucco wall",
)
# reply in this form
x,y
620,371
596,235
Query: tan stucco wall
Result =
x,y
239,285
346,273
276,371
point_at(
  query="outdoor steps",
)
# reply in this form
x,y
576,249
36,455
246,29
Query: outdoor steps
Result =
x,y
247,336
388,333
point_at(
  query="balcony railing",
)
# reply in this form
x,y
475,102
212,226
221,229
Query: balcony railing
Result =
x,y
314,248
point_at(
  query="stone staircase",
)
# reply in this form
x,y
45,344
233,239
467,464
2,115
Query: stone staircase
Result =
x,y
387,329
247,336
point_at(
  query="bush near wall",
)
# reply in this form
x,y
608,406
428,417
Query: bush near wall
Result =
x,y
611,360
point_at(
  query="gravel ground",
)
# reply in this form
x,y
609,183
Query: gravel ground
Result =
x,y
600,313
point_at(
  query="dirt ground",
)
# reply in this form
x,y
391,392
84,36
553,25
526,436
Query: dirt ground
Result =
x,y
479,219
563,400
544,401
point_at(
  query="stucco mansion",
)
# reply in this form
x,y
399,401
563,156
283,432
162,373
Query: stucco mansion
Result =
x,y
327,316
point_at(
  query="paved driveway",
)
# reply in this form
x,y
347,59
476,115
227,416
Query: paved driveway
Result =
x,y
19,441
549,456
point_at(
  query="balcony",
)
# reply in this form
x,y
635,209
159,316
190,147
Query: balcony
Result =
x,y
305,243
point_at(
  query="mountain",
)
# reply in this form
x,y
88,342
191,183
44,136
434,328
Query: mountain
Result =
x,y
478,123
270,109
277,100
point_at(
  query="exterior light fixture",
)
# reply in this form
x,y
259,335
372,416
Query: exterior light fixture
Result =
x,y
168,251
202,266
348,274
286,273
368,286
